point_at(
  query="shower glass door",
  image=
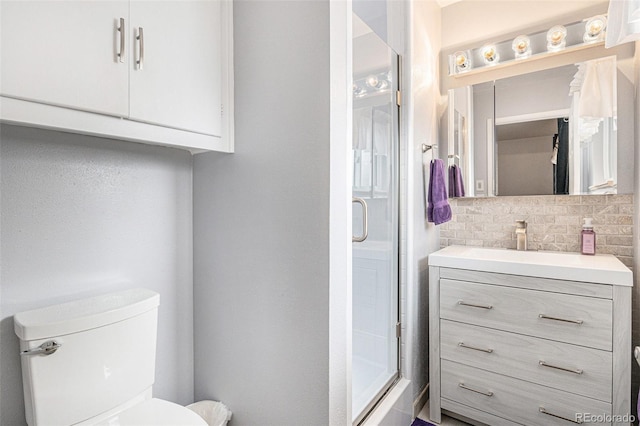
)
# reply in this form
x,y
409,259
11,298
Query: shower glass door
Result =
x,y
375,219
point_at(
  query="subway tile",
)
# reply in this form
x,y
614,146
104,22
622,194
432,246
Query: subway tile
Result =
x,y
544,219
544,238
464,218
568,220
473,226
457,225
566,200
555,210
626,209
493,227
464,234
593,199
620,199
573,247
605,209
567,238
464,202
456,242
621,250
553,247
482,235
555,229
625,229
618,240
445,233
502,235
619,220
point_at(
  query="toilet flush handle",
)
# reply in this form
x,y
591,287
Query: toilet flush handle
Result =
x,y
47,348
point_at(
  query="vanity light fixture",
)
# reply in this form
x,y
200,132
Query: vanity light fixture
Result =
x,y
490,54
594,29
556,38
570,36
521,47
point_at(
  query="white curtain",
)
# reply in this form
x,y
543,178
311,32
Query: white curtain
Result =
x,y
623,22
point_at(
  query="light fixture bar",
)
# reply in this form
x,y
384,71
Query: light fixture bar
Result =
x,y
558,38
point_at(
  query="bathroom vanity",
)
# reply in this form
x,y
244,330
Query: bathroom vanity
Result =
x,y
534,338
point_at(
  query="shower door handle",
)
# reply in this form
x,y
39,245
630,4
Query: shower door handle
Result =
x,y
365,225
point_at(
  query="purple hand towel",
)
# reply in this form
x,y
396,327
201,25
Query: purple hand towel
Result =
x,y
438,209
456,184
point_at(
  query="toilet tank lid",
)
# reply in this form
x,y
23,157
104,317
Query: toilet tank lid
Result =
x,y
84,314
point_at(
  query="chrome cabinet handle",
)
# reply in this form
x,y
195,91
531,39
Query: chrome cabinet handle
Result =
x,y
365,225
570,370
462,345
140,38
543,316
485,393
122,40
473,305
544,411
47,348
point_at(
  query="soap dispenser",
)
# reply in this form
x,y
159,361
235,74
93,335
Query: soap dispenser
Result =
x,y
588,237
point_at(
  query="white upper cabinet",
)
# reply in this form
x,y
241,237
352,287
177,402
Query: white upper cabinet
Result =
x,y
65,53
158,72
176,71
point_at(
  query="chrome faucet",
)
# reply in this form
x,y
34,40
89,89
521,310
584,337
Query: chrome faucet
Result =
x,y
521,235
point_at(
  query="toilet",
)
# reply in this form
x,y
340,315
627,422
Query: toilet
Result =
x,y
92,362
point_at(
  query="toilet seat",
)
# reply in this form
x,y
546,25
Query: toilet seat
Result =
x,y
156,412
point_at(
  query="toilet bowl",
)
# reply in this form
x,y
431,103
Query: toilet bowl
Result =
x,y
92,362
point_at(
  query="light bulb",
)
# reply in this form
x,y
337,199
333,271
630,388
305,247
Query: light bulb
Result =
x,y
594,29
490,54
556,38
372,81
521,46
461,61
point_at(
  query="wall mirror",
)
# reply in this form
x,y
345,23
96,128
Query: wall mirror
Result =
x,y
564,130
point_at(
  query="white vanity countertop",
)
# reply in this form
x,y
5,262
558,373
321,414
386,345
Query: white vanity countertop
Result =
x,y
601,268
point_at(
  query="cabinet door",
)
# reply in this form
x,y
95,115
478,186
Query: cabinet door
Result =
x,y
178,82
65,53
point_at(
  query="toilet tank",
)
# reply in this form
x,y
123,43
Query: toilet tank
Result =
x,y
105,359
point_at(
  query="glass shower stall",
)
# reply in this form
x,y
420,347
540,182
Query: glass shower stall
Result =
x,y
375,187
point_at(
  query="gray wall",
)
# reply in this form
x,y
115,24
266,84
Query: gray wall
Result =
x,y
83,216
524,167
261,225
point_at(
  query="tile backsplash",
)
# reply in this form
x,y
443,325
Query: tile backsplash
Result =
x,y
553,222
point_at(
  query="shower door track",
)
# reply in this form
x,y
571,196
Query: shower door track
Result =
x,y
376,400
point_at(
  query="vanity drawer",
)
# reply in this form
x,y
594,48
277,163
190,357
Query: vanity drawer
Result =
x,y
514,399
579,320
576,369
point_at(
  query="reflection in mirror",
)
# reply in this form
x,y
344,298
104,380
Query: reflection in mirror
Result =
x,y
549,132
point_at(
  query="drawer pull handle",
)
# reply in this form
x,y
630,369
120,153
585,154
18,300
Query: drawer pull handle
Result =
x,y
544,411
473,305
570,370
485,393
543,316
462,345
